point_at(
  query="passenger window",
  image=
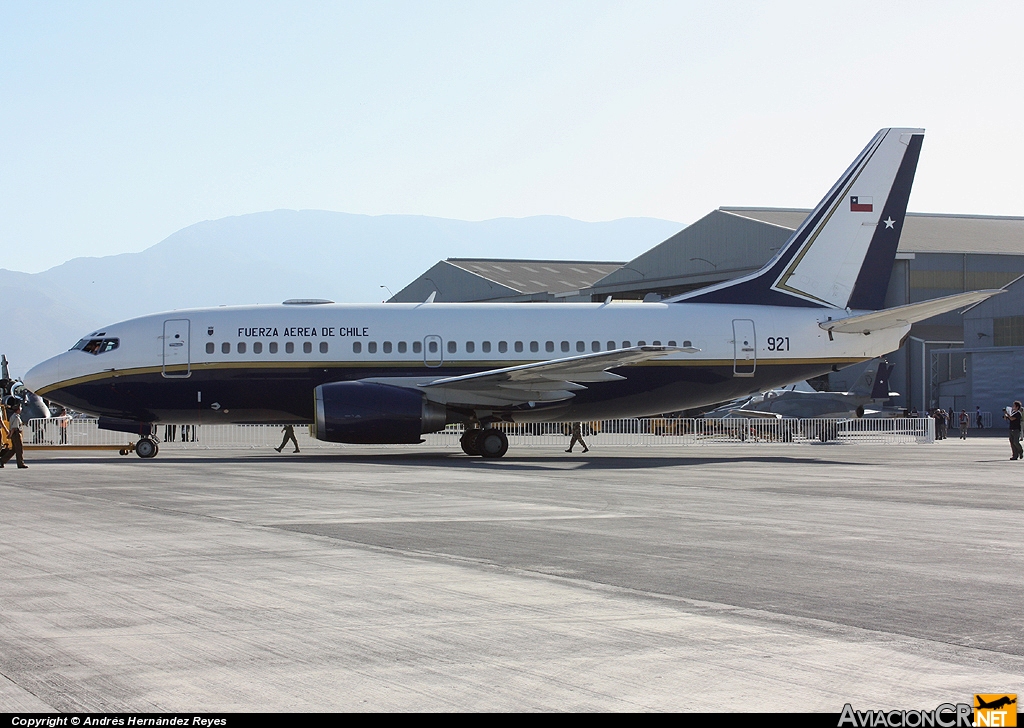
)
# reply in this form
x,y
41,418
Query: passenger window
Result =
x,y
323,347
626,344
687,343
580,346
289,347
417,347
641,343
357,347
519,346
432,347
486,347
209,347
387,347
241,347
595,346
656,343
671,343
470,347
611,345
549,346
452,347
502,347
402,348
257,347
307,347
273,347
225,348
565,346
371,348
534,347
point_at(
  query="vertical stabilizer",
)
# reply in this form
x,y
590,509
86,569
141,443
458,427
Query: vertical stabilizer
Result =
x,y
842,254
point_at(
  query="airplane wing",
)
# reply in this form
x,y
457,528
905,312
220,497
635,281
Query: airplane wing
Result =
x,y
546,381
756,414
903,315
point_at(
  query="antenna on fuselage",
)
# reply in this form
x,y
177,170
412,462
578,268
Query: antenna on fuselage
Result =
x,y
431,297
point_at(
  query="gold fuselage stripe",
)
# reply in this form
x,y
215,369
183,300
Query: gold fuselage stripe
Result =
x,y
419,366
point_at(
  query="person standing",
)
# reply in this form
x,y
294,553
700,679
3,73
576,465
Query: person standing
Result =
x,y
63,421
15,427
289,434
978,418
577,436
965,422
1014,415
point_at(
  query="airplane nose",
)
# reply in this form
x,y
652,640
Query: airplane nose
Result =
x,y
43,375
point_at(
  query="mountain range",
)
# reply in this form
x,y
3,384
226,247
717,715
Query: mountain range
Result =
x,y
267,257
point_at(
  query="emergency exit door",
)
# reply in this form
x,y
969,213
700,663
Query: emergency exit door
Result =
x,y
744,347
433,356
177,362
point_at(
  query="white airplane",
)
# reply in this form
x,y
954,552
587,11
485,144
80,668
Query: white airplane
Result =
x,y
389,373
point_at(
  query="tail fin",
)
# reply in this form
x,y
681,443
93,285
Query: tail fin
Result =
x,y
881,388
873,381
841,256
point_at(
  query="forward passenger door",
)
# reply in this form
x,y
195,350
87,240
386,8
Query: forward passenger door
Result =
x,y
176,349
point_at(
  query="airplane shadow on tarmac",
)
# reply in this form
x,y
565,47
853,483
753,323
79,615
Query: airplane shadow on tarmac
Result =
x,y
446,460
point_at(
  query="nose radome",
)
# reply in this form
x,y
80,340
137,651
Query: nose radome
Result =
x,y
43,375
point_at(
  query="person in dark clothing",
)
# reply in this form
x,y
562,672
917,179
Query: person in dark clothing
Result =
x,y
289,434
14,428
577,436
1014,416
978,420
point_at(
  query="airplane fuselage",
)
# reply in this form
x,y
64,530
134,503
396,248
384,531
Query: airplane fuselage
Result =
x,y
261,364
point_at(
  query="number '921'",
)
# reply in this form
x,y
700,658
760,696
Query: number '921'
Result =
x,y
778,343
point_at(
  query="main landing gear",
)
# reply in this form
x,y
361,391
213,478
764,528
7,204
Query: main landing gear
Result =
x,y
490,443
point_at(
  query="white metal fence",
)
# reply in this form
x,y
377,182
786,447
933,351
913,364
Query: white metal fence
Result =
x,y
647,432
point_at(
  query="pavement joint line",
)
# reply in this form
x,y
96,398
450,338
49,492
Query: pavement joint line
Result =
x,y
9,679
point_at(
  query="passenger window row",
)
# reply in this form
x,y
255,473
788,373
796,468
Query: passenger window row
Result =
x,y
452,347
257,347
470,347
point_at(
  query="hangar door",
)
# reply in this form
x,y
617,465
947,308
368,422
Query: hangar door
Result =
x,y
176,349
744,347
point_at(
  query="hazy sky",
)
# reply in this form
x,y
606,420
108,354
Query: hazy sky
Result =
x,y
122,122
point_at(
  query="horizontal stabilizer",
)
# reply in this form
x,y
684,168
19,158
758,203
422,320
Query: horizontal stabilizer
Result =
x,y
905,315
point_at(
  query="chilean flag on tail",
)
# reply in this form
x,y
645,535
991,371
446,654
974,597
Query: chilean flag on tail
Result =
x,y
860,204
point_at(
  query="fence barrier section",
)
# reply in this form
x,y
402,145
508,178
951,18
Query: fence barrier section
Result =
x,y
641,432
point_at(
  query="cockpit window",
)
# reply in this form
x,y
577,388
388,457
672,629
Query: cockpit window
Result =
x,y
96,346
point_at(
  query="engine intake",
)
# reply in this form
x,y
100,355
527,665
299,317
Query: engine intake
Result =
x,y
369,413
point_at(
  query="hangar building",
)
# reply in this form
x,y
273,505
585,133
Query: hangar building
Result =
x,y
491,279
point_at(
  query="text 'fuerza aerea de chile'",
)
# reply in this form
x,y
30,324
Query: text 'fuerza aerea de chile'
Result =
x,y
302,331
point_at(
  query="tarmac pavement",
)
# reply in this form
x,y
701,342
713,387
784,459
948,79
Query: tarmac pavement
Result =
x,y
723,578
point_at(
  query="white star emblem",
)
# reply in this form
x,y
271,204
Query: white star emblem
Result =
x,y
889,222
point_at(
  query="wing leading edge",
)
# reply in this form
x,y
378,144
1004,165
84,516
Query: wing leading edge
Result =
x,y
545,381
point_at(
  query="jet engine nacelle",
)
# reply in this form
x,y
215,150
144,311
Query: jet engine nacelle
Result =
x,y
370,413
